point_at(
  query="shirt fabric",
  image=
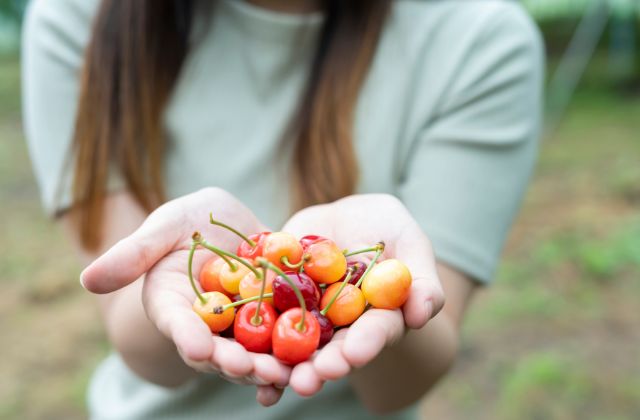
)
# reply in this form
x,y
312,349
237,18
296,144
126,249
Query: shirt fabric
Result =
x,y
447,120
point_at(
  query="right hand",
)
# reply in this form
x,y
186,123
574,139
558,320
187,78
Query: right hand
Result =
x,y
158,251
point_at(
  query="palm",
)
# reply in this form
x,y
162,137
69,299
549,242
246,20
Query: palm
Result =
x,y
160,249
359,222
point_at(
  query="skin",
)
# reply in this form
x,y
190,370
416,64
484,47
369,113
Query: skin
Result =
x,y
145,298
414,360
143,267
391,358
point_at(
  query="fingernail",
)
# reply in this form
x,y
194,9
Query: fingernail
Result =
x,y
428,309
258,381
82,280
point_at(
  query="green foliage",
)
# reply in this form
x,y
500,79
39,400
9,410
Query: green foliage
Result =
x,y
12,10
543,385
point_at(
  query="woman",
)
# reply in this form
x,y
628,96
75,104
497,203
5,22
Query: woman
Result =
x,y
280,105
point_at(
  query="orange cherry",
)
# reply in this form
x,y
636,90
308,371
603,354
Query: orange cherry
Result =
x,y
325,262
347,307
216,322
387,285
230,280
250,285
210,275
282,244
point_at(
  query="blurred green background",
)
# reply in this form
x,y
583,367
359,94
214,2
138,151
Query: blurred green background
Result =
x,y
556,337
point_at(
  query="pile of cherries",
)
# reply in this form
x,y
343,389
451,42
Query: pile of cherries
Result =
x,y
283,295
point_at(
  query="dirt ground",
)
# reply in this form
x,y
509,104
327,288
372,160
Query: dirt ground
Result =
x,y
556,337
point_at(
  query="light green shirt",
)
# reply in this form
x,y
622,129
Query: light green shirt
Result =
x,y
447,120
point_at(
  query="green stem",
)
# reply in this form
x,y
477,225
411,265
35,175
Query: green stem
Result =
x,y
257,320
362,251
223,225
221,309
285,260
372,263
201,241
266,264
192,251
232,266
342,286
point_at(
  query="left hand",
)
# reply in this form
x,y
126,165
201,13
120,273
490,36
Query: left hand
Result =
x,y
358,222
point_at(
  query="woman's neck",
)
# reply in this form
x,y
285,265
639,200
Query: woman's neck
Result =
x,y
289,6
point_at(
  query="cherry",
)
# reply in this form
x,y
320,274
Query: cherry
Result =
x,y
204,305
326,327
230,278
250,285
210,276
357,268
387,285
246,250
228,333
305,241
292,344
324,262
348,305
205,302
284,296
255,333
282,246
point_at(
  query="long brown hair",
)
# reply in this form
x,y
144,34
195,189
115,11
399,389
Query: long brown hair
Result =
x,y
131,65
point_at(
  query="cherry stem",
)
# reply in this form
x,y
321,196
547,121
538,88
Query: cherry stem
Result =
x,y
257,320
192,251
266,264
285,260
232,266
222,308
342,286
379,251
240,234
221,252
362,251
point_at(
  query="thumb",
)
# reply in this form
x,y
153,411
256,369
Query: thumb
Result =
x,y
132,256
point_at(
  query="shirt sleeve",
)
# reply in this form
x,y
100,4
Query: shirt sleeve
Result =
x,y
54,37
470,165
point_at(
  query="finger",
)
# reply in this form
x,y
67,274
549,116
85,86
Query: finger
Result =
x,y
134,255
173,316
233,359
268,395
266,368
425,301
304,380
426,297
330,363
374,330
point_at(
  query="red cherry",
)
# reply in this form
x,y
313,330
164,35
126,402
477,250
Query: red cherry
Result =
x,y
291,345
255,338
252,252
305,241
358,271
228,333
326,328
285,298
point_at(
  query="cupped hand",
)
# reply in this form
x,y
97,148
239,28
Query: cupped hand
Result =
x,y
158,250
358,222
